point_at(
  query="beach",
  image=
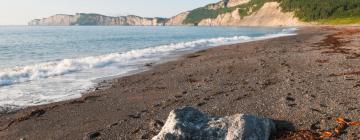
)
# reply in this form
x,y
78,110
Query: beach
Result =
x,y
303,82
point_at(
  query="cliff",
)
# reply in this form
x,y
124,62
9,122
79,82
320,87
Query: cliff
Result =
x,y
177,20
269,14
275,13
58,20
233,3
242,13
96,19
232,13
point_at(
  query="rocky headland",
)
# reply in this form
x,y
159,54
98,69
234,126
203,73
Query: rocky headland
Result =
x,y
83,19
270,14
230,13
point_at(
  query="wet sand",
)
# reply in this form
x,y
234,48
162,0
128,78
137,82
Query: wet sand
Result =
x,y
304,82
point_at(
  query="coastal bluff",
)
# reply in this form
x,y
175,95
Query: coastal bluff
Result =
x,y
269,14
83,19
229,13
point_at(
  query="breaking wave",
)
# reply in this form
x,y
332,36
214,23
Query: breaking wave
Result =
x,y
66,66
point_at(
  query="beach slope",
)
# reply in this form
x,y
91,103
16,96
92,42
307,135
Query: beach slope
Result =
x,y
304,82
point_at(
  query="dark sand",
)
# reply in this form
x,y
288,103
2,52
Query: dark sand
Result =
x,y
304,82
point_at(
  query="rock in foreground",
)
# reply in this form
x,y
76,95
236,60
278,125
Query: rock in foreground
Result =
x,y
189,123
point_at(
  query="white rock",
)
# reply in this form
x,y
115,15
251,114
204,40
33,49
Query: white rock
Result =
x,y
232,3
189,123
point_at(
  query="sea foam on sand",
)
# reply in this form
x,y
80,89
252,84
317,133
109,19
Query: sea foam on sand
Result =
x,y
28,85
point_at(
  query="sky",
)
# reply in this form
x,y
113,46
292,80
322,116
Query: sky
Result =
x,y
20,12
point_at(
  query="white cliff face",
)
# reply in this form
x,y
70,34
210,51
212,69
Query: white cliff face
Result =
x,y
268,15
232,3
56,20
177,20
227,19
218,5
95,19
271,15
140,21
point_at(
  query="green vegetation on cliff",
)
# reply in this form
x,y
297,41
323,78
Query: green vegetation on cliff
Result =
x,y
324,11
195,16
161,20
251,7
339,21
87,19
321,11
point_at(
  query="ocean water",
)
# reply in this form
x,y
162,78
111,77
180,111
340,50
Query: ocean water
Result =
x,y
40,65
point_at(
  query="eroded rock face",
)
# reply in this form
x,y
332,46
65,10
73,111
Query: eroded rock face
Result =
x,y
56,20
189,123
226,3
177,20
269,14
232,3
214,6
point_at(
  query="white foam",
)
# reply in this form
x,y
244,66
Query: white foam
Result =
x,y
24,86
57,68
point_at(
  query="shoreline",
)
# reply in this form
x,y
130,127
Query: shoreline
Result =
x,y
280,78
103,82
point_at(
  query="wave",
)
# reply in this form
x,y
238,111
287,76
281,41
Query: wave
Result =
x,y
66,66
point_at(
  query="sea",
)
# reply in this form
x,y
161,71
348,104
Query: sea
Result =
x,y
46,64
